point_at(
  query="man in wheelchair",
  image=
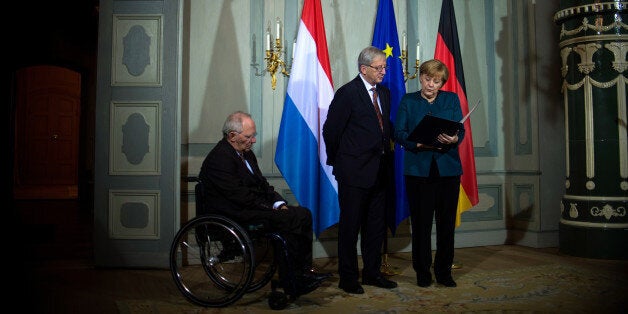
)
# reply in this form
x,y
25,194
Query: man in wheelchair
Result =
x,y
235,187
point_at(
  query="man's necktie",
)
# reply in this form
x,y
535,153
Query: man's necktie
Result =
x,y
377,111
245,162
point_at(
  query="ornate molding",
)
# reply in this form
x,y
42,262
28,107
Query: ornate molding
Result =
x,y
588,83
611,83
608,211
564,53
619,50
573,210
137,54
586,52
590,8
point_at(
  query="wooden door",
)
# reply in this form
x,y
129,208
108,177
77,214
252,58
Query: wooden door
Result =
x,y
47,133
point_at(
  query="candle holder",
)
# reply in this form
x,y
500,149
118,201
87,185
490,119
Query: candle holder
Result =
x,y
404,62
274,62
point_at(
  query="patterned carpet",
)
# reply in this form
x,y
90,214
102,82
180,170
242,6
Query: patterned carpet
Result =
x,y
547,284
57,275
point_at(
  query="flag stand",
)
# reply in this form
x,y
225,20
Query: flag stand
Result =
x,y
387,269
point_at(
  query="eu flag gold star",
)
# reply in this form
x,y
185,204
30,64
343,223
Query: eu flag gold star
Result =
x,y
388,51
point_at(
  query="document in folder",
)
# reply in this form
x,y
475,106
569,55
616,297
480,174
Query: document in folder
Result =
x,y
430,127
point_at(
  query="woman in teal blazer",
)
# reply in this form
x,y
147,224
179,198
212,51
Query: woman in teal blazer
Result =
x,y
432,174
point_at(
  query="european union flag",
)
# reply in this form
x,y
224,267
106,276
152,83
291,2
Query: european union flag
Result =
x,y
385,37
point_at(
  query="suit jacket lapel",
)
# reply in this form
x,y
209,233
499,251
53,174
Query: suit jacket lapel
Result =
x,y
362,92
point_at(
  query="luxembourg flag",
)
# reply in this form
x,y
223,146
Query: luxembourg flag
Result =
x,y
301,154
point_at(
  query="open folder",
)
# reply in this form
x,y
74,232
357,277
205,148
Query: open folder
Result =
x,y
428,129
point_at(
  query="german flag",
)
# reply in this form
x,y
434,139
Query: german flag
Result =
x,y
448,51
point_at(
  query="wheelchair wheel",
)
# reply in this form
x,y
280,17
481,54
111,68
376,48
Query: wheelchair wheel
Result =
x,y
264,260
211,261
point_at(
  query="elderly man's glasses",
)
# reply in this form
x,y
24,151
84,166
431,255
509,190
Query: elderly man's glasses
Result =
x,y
248,137
378,68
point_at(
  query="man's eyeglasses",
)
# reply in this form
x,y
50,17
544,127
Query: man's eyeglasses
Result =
x,y
378,68
248,137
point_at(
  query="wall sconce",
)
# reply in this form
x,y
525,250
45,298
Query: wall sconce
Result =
x,y
273,56
404,59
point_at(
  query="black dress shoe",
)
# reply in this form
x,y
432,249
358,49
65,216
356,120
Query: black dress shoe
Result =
x,y
351,287
447,282
379,282
424,282
306,285
316,275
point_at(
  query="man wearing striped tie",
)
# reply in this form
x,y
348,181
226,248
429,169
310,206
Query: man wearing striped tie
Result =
x,y
358,148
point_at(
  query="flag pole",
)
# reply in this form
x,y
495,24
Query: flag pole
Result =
x,y
386,38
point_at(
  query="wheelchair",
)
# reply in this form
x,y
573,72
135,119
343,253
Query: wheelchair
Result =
x,y
214,260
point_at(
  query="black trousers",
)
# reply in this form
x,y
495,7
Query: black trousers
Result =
x,y
294,225
429,198
362,211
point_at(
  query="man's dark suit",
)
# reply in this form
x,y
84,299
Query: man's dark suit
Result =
x,y
232,190
360,154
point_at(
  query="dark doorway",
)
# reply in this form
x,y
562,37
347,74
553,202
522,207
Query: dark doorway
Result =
x,y
48,100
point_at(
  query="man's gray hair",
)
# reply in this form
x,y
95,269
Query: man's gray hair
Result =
x,y
234,123
368,54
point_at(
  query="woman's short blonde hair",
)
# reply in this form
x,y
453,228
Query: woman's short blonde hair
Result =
x,y
435,68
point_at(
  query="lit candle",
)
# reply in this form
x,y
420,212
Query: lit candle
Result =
x,y
418,50
268,40
278,29
403,42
